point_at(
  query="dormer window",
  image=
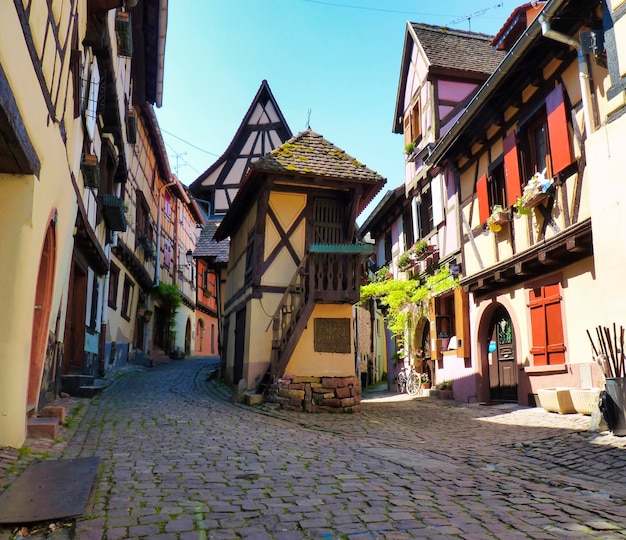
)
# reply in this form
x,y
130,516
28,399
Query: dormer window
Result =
x,y
413,125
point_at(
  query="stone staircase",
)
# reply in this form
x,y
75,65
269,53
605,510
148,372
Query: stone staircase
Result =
x,y
81,385
46,425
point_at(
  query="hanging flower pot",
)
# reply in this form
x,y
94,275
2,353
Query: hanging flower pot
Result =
x,y
91,171
131,126
123,34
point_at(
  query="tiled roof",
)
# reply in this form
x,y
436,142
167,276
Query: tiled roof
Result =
x,y
207,247
308,153
456,49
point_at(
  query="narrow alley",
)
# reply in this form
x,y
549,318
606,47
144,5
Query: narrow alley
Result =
x,y
179,461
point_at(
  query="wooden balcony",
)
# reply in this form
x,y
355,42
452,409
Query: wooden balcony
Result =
x,y
335,271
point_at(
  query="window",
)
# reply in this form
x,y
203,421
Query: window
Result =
x,y
541,142
167,206
416,122
167,253
127,297
144,227
533,142
496,187
114,278
425,207
413,124
548,343
407,227
388,250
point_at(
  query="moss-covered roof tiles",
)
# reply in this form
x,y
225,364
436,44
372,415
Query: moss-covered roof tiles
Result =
x,y
308,153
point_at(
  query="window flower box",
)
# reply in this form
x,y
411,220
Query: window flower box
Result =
x,y
91,171
131,126
499,216
536,190
123,32
113,212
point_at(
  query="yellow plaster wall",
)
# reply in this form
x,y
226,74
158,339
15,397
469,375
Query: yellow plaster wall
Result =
x,y
27,204
307,362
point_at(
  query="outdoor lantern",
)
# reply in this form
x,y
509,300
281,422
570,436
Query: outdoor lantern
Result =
x,y
189,256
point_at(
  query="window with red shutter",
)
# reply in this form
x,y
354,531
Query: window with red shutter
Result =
x,y
548,342
511,169
558,132
483,199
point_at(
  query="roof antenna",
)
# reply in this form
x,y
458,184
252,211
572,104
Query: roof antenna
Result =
x,y
308,120
469,17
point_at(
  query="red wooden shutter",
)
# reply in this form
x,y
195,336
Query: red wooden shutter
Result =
x,y
560,152
511,169
548,343
538,327
483,198
554,324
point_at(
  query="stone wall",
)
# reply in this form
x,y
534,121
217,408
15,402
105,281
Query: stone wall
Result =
x,y
316,394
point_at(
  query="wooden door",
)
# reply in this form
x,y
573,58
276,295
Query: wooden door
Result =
x,y
41,315
502,358
73,360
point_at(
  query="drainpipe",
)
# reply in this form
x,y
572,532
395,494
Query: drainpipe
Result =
x,y
583,70
157,273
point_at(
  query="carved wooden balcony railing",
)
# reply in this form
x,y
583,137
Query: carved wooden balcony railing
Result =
x,y
327,274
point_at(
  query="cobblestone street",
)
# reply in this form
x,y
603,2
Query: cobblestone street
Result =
x,y
179,461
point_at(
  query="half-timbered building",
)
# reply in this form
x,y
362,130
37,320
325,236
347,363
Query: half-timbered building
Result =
x,y
441,70
262,129
519,152
294,273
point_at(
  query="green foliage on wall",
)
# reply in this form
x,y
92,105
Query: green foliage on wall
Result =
x,y
405,299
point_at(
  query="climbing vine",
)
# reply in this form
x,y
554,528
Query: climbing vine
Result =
x,y
405,299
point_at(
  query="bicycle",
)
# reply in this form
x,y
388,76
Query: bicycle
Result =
x,y
410,381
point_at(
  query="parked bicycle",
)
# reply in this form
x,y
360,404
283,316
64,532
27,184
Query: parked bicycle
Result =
x,y
409,381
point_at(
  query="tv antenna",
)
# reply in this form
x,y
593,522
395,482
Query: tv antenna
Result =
x,y
469,17
178,157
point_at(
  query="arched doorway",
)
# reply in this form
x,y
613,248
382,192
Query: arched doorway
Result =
x,y
423,361
41,314
501,357
200,336
188,338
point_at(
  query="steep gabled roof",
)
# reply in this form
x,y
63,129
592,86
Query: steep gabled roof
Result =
x,y
207,247
306,159
458,50
456,53
308,153
262,129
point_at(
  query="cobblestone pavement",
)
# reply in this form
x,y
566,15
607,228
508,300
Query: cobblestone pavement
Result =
x,y
181,462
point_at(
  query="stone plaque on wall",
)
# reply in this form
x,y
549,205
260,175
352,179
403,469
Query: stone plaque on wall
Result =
x,y
332,335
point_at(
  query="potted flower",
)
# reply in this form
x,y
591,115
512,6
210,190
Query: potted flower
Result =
x,y
408,149
497,218
536,190
519,208
404,261
425,380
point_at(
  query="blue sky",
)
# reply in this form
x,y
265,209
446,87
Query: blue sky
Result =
x,y
338,60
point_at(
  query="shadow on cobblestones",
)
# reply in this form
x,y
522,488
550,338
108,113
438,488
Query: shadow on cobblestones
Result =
x,y
180,461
